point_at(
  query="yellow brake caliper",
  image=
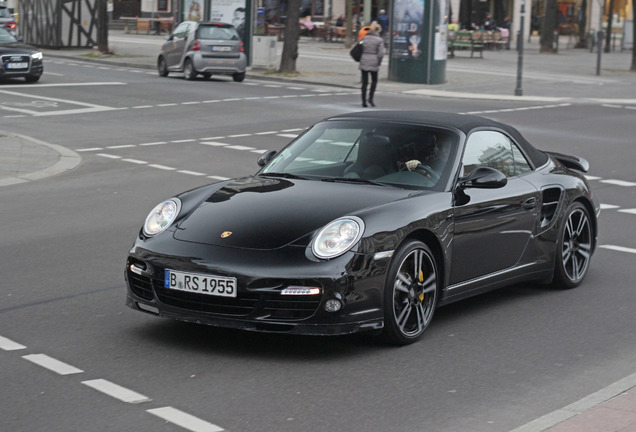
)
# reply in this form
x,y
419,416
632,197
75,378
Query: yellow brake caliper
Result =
x,y
421,280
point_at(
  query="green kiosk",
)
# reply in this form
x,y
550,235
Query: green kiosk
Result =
x,y
418,48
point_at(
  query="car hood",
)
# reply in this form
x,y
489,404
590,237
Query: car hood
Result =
x,y
268,213
17,48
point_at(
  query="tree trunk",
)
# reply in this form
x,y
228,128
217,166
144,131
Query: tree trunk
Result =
x,y
633,69
549,26
292,33
102,27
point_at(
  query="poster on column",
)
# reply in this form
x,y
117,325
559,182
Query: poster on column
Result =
x,y
441,31
408,17
193,10
230,12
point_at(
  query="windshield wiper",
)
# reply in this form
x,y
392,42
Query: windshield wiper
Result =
x,y
353,180
284,175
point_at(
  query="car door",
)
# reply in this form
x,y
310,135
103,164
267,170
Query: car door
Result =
x,y
174,49
492,227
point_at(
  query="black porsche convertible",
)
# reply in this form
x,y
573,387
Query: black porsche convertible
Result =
x,y
367,222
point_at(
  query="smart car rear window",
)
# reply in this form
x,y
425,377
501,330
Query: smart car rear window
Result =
x,y
217,33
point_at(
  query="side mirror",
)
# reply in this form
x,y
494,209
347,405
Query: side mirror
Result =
x,y
484,178
266,158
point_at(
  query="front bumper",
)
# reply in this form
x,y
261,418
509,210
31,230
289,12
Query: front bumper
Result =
x,y
356,280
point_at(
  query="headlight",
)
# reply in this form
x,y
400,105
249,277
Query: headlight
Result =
x,y
338,237
36,56
162,216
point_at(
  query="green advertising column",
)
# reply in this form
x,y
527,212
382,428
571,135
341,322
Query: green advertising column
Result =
x,y
418,49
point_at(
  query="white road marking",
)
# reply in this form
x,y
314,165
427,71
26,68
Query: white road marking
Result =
x,y
630,211
9,345
90,149
88,84
116,391
143,106
135,161
212,138
121,146
110,156
589,177
90,107
153,143
239,135
619,183
608,206
293,130
185,420
182,141
52,364
219,178
192,173
266,133
619,248
242,148
162,167
287,135
214,144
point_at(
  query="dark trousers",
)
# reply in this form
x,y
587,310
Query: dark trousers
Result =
x,y
365,83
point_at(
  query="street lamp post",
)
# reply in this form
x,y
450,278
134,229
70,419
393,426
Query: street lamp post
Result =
x,y
518,89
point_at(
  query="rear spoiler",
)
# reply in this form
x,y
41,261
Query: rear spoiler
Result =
x,y
572,162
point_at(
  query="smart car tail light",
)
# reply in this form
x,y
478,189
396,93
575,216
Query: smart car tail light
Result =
x,y
196,46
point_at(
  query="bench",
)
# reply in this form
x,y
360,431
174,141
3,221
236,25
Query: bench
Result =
x,y
146,24
464,40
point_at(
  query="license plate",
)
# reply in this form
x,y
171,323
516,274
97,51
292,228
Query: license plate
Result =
x,y
22,65
201,284
221,48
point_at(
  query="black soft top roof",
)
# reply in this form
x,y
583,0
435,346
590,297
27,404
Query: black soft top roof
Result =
x,y
463,122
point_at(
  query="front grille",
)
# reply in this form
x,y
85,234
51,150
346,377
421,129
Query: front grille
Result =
x,y
291,307
140,285
7,59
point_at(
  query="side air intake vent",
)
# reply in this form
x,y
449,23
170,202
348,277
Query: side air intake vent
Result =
x,y
551,198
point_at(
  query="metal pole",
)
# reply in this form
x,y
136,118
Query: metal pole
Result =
x,y
599,36
519,90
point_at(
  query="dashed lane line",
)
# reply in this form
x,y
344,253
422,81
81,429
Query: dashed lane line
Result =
x,y
184,420
7,344
619,183
168,413
619,248
116,391
52,364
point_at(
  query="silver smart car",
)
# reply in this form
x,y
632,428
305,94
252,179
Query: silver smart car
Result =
x,y
206,48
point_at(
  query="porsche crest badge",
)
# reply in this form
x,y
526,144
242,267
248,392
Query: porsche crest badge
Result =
x,y
226,234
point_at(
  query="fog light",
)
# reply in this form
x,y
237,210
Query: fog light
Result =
x,y
333,305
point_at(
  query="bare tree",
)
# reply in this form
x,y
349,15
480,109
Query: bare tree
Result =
x,y
549,26
292,34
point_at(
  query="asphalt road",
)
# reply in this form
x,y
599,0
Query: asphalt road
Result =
x,y
85,362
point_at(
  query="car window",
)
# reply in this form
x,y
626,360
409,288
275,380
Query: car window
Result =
x,y
217,33
181,31
4,13
6,37
495,150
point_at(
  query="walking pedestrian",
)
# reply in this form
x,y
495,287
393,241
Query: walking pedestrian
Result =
x,y
372,53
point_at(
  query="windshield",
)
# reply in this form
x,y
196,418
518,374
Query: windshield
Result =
x,y
4,13
217,32
397,154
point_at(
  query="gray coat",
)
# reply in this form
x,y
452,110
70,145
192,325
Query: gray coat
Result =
x,y
372,52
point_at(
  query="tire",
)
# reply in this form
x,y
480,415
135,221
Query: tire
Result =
x,y
574,247
410,293
239,76
162,67
188,70
32,78
207,75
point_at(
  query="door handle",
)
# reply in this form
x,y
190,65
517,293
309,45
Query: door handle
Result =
x,y
530,203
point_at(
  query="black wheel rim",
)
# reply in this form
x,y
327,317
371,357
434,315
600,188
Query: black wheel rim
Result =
x,y
414,293
577,245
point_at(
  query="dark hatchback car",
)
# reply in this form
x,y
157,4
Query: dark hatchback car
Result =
x,y
205,48
18,60
367,222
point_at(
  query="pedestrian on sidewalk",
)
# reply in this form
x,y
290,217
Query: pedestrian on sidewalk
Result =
x,y
372,53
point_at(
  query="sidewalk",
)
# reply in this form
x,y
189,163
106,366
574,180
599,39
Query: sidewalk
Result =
x,y
569,75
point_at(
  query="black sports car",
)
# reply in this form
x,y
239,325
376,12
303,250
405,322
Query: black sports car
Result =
x,y
367,222
18,60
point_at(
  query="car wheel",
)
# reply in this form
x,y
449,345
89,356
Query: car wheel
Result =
x,y
239,76
410,294
32,78
574,248
162,67
188,70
